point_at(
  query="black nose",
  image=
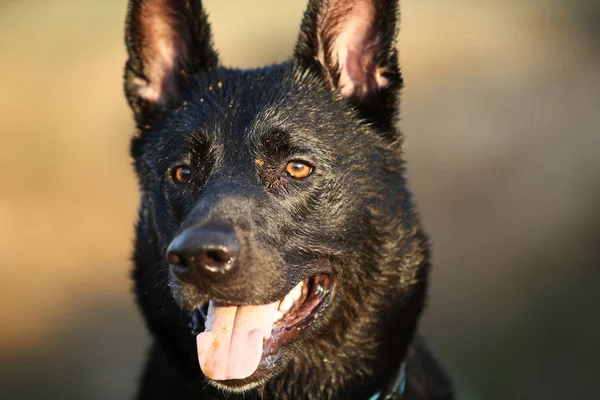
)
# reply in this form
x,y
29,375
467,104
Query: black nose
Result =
x,y
202,251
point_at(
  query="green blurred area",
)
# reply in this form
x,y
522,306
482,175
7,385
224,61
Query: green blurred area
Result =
x,y
501,117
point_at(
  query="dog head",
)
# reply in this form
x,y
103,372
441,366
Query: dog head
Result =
x,y
274,198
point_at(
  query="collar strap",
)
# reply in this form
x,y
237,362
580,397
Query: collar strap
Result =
x,y
395,390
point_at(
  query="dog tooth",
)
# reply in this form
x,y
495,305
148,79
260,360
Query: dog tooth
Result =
x,y
278,315
286,303
296,293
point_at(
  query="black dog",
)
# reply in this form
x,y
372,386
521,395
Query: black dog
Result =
x,y
275,220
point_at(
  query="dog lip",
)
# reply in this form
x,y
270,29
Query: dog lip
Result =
x,y
318,290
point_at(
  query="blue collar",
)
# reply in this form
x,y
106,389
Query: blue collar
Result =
x,y
396,387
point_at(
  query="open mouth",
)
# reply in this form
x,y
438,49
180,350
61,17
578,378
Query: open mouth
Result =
x,y
238,340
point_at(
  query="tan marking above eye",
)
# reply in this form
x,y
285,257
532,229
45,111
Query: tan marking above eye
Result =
x,y
298,170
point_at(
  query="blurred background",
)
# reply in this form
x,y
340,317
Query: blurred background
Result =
x,y
501,113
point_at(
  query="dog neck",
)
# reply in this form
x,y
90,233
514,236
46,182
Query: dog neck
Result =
x,y
395,388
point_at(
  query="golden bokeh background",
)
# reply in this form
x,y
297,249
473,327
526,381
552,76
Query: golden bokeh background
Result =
x,y
501,113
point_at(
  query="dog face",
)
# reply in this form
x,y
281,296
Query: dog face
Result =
x,y
274,199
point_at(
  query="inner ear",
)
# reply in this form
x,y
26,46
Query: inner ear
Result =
x,y
167,41
161,50
353,43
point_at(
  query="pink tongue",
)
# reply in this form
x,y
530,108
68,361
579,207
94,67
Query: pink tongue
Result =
x,y
232,344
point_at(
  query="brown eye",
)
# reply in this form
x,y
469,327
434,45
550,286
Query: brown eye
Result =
x,y
182,174
298,170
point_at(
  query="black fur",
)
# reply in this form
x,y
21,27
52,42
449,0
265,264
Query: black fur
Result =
x,y
352,218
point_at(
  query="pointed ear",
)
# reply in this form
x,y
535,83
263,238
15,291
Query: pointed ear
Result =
x,y
167,41
352,43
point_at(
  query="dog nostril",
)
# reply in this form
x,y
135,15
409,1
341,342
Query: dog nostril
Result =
x,y
217,260
175,259
218,256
